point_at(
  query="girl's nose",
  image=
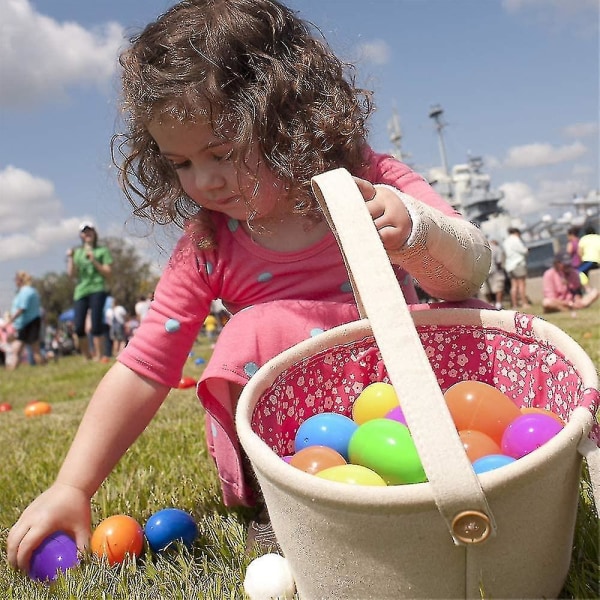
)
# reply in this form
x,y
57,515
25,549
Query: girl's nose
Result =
x,y
208,180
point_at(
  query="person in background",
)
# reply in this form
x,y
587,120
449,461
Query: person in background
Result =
x,y
26,318
210,326
232,106
497,278
141,308
118,333
589,250
515,264
108,318
573,246
90,264
562,289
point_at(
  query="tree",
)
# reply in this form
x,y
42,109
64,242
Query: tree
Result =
x,y
131,277
56,293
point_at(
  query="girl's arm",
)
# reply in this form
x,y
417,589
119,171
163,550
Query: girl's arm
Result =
x,y
120,409
448,256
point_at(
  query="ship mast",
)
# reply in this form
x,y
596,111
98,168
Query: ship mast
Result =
x,y
395,135
436,113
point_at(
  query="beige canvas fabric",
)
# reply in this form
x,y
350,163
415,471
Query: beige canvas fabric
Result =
x,y
414,541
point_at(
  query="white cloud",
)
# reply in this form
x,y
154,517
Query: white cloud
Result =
x,y
31,221
41,58
377,52
519,198
558,14
580,130
537,155
560,191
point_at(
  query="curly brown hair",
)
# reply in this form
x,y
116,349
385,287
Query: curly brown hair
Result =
x,y
254,67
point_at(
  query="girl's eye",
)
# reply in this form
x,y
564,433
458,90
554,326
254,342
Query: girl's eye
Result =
x,y
220,156
180,165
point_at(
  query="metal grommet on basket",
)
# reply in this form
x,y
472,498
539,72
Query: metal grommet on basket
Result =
x,y
471,527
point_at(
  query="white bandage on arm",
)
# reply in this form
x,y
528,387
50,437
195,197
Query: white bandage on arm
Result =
x,y
448,256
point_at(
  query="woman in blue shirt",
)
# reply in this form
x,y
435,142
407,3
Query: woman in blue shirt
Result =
x,y
26,318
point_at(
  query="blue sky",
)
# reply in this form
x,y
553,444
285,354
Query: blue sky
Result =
x,y
518,81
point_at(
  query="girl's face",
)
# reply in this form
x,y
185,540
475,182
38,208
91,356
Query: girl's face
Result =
x,y
209,177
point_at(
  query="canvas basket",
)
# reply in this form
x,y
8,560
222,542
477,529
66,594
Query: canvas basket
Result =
x,y
506,533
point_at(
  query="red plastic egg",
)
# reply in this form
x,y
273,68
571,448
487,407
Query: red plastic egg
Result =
x,y
186,382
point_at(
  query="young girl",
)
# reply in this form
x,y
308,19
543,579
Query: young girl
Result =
x,y
233,105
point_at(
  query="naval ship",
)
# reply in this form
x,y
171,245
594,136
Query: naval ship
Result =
x,y
468,189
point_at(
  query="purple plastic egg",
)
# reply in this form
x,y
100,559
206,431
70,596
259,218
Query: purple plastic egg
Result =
x,y
527,433
396,414
58,552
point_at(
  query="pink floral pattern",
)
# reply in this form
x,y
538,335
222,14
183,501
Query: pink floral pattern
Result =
x,y
529,371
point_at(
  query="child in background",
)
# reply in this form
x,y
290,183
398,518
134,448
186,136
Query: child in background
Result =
x,y
232,106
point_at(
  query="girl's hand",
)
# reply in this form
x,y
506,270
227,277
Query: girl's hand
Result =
x,y
389,214
60,508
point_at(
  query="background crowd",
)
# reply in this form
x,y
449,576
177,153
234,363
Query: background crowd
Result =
x,y
99,325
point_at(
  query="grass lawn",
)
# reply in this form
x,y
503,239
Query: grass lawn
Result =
x,y
169,467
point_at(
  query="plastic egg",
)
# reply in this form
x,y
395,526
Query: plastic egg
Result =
x,y
326,429
527,433
5,407
352,474
186,382
491,462
477,444
35,409
313,459
116,537
168,526
374,402
481,407
56,553
528,410
397,415
386,447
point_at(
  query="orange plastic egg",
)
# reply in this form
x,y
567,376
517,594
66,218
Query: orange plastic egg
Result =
x,y
528,410
35,409
313,459
481,407
477,444
116,537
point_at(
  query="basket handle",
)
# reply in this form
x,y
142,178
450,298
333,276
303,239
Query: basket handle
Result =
x,y
455,487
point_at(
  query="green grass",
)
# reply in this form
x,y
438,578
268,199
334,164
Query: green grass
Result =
x,y
169,466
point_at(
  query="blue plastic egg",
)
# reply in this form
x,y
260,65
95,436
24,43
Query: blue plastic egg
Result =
x,y
491,462
168,526
326,429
